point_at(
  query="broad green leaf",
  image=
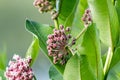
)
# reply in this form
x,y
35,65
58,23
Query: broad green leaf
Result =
x,y
33,50
2,61
114,73
54,74
91,48
42,31
106,19
117,6
78,68
116,57
2,75
67,12
77,23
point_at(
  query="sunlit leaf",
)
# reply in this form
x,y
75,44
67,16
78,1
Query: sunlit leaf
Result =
x,y
77,23
67,12
33,50
105,16
114,73
117,6
116,57
78,68
91,48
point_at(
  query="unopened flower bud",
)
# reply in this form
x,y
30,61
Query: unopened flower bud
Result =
x,y
87,18
69,36
60,56
61,27
68,29
43,5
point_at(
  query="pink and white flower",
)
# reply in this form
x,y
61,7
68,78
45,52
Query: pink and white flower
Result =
x,y
19,69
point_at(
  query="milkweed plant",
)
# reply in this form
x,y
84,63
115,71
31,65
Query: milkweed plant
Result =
x,y
82,44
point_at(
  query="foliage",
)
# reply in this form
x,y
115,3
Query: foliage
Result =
x,y
86,61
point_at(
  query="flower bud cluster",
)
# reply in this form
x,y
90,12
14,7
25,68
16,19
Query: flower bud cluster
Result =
x,y
87,19
43,5
57,43
19,69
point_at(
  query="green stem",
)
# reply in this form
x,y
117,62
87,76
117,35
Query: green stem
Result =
x,y
56,24
34,78
80,34
108,60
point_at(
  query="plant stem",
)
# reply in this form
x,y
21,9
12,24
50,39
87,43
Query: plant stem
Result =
x,y
108,60
80,34
34,78
56,24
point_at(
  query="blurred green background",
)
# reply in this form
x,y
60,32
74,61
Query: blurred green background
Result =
x,y
13,35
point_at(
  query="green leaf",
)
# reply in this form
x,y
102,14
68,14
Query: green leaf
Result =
x,y
116,57
114,73
67,12
106,19
2,61
77,23
42,31
117,6
78,68
54,74
33,50
91,48
2,75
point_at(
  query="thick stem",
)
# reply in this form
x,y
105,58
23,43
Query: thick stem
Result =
x,y
108,60
80,34
56,24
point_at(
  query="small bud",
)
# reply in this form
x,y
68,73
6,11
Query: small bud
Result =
x,y
73,42
50,54
55,60
69,36
89,19
83,19
87,11
68,29
74,39
61,27
54,30
46,3
53,12
62,62
50,7
54,45
54,16
48,47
